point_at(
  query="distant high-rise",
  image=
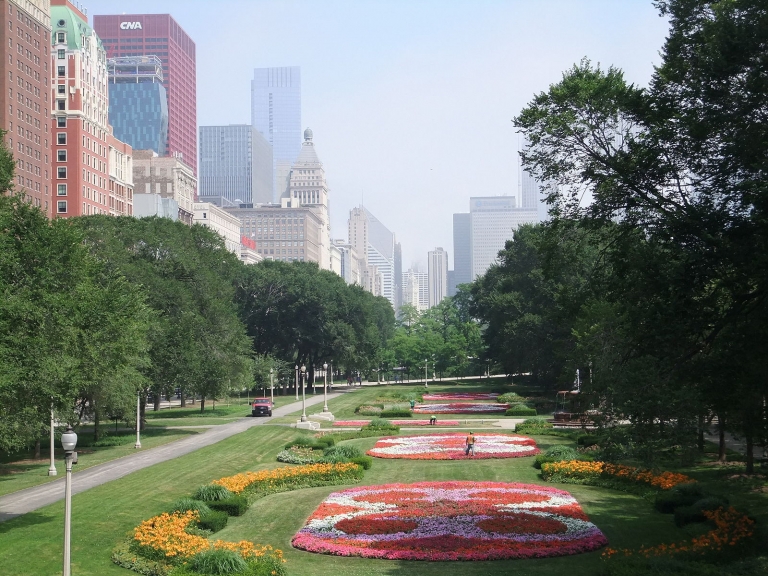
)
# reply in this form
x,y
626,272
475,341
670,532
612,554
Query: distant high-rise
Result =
x,y
235,165
160,35
493,220
138,102
398,278
416,289
276,113
462,249
370,237
532,192
437,270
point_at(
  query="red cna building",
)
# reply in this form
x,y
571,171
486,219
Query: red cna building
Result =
x,y
161,35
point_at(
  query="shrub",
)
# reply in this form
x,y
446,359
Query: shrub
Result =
x,y
340,453
369,409
233,506
124,557
520,411
695,512
365,461
185,504
395,413
557,454
325,440
382,425
682,495
299,455
218,562
311,442
211,493
213,520
509,398
534,426
587,440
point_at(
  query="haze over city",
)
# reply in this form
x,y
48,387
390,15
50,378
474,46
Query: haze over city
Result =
x,y
410,102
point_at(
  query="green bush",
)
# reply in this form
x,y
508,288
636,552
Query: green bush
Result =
x,y
395,414
557,453
339,453
303,441
325,440
124,557
218,562
299,455
382,425
522,411
213,520
509,397
212,492
365,461
534,426
681,495
234,506
695,512
184,504
369,409
587,440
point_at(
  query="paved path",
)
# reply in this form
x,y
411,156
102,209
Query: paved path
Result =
x,y
23,501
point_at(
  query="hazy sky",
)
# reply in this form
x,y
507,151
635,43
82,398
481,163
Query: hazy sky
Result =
x,y
410,101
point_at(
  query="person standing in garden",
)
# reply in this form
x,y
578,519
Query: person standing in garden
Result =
x,y
470,444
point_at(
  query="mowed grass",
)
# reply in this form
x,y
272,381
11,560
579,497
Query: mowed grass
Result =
x,y
31,544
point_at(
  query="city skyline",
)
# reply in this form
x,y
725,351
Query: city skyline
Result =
x,y
433,106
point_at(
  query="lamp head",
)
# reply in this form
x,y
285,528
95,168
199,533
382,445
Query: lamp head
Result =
x,y
303,369
325,366
271,371
69,440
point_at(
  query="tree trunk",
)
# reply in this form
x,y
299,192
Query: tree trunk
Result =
x,y
750,454
37,449
183,399
95,425
157,401
721,453
202,403
143,412
700,435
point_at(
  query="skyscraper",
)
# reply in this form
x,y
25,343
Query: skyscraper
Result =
x,y
25,104
370,237
138,102
161,35
532,191
235,165
437,270
462,249
493,221
276,113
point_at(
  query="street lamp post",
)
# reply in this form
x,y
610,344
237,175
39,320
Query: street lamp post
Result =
x,y
426,384
303,398
138,420
68,442
271,386
325,388
52,468
297,380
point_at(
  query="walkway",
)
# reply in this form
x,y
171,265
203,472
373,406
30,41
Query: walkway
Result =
x,y
30,499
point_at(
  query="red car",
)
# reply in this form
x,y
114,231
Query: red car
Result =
x,y
261,407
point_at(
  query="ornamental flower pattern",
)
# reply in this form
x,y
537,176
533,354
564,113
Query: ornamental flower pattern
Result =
x,y
443,396
460,408
449,521
451,446
360,423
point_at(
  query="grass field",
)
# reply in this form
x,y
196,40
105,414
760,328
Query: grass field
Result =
x,y
31,544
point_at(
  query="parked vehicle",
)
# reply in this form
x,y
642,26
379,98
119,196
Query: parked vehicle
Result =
x,y
261,407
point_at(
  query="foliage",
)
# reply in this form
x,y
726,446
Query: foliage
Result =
x,y
556,453
187,504
341,453
124,557
520,410
593,473
288,478
509,398
211,493
300,454
365,461
234,505
684,495
214,520
217,562
534,426
395,414
382,425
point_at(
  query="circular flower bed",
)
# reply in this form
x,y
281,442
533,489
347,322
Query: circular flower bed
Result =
x,y
451,447
450,521
460,408
461,396
359,423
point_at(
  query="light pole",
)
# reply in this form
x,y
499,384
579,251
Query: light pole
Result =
x,y
138,420
271,386
325,388
52,468
297,380
426,384
303,398
68,442
489,367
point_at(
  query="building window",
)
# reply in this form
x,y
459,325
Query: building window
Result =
x,y
61,121
61,206
60,54
61,37
61,155
61,104
61,172
61,71
61,138
61,89
61,190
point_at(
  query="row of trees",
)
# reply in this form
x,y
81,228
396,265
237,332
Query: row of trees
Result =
x,y
652,276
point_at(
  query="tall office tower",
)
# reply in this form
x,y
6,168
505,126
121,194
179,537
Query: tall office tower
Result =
x,y
451,283
533,191
25,109
493,221
157,178
160,35
462,249
416,289
276,113
398,276
351,264
308,187
370,237
235,165
437,271
80,122
138,102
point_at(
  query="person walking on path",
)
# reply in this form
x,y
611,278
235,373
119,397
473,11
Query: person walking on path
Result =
x,y
470,444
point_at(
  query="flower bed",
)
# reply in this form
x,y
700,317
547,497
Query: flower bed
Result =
x,y
449,521
451,447
460,408
583,472
360,423
271,480
442,396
